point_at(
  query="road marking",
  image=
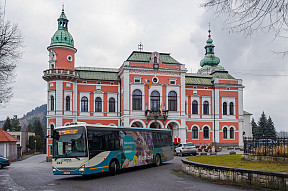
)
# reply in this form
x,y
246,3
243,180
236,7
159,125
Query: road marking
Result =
x,y
6,183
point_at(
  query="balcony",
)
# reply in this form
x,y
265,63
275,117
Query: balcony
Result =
x,y
60,74
150,114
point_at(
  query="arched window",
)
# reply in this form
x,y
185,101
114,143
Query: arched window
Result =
x,y
155,101
224,108
67,103
84,103
231,133
206,108
231,105
185,107
172,101
137,100
155,59
195,107
225,133
111,104
98,104
194,132
206,132
52,103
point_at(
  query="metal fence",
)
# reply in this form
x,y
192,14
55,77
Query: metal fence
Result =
x,y
276,147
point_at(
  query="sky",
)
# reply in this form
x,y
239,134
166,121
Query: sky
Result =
x,y
106,32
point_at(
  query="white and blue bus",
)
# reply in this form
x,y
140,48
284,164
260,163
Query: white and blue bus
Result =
x,y
83,149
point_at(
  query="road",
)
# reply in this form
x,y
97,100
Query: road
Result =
x,y
34,174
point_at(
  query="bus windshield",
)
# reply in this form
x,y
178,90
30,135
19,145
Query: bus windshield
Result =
x,y
70,143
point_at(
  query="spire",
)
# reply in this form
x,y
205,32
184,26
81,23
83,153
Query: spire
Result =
x,y
62,36
210,59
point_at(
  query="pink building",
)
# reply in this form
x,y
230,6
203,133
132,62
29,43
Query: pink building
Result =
x,y
149,90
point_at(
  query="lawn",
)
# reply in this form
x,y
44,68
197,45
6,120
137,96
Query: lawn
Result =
x,y
235,161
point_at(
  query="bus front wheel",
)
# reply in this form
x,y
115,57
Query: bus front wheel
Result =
x,y
157,160
113,167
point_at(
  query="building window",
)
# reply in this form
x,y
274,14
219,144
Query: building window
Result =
x,y
231,107
224,133
84,103
206,108
231,133
194,107
224,108
52,103
155,101
98,104
137,80
172,82
155,59
194,132
67,103
172,101
206,132
111,104
137,100
185,107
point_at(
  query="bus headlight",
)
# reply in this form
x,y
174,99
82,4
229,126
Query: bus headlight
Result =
x,y
53,169
82,168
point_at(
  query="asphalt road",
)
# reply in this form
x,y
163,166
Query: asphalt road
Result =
x,y
34,174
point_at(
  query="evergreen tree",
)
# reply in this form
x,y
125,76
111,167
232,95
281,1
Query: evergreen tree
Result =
x,y
38,130
7,125
15,124
262,126
271,131
254,129
30,128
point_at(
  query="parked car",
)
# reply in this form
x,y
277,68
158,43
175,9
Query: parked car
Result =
x,y
186,149
4,162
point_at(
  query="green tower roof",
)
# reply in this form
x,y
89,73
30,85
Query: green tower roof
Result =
x,y
62,37
210,59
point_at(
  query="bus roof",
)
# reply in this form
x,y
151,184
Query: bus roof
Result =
x,y
78,124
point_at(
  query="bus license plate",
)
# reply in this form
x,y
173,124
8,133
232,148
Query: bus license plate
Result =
x,y
66,172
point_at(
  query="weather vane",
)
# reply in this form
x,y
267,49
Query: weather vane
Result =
x,y
140,47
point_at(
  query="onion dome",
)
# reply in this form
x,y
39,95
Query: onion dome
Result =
x,y
210,59
62,37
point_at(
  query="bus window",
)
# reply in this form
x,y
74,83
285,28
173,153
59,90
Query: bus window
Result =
x,y
100,141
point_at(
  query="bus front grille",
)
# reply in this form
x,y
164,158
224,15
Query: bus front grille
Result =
x,y
67,169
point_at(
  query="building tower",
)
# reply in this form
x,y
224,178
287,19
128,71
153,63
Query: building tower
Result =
x,y
61,78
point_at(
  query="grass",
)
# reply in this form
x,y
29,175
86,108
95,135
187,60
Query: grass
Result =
x,y
235,161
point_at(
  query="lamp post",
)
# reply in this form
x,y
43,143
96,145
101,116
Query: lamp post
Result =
x,y
35,145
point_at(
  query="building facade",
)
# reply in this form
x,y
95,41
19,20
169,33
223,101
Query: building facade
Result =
x,y
149,90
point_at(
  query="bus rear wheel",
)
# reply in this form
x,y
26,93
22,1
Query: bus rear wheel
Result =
x,y
113,167
157,160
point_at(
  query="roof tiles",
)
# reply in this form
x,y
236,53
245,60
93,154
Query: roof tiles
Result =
x,y
6,137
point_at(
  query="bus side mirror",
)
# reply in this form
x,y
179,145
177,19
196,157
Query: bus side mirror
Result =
x,y
55,135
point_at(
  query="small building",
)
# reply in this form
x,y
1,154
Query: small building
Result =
x,y
8,145
23,137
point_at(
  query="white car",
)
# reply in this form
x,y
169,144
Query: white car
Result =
x,y
186,149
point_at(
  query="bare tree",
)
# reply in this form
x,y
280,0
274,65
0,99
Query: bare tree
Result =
x,y
11,41
248,16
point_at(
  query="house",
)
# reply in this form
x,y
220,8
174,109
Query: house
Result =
x,y
23,137
8,145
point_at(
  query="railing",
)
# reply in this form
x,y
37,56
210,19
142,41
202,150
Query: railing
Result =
x,y
150,114
60,72
276,147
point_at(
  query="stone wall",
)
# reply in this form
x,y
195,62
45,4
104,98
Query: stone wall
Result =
x,y
248,177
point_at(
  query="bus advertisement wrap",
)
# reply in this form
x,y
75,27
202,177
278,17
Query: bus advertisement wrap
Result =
x,y
137,148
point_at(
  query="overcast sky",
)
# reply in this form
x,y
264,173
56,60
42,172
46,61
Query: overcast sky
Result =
x,y
106,32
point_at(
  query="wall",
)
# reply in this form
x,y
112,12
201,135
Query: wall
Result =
x,y
257,178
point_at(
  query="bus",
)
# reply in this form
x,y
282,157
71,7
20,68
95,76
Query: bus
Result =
x,y
83,149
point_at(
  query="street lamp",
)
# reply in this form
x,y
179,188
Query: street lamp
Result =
x,y
35,145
